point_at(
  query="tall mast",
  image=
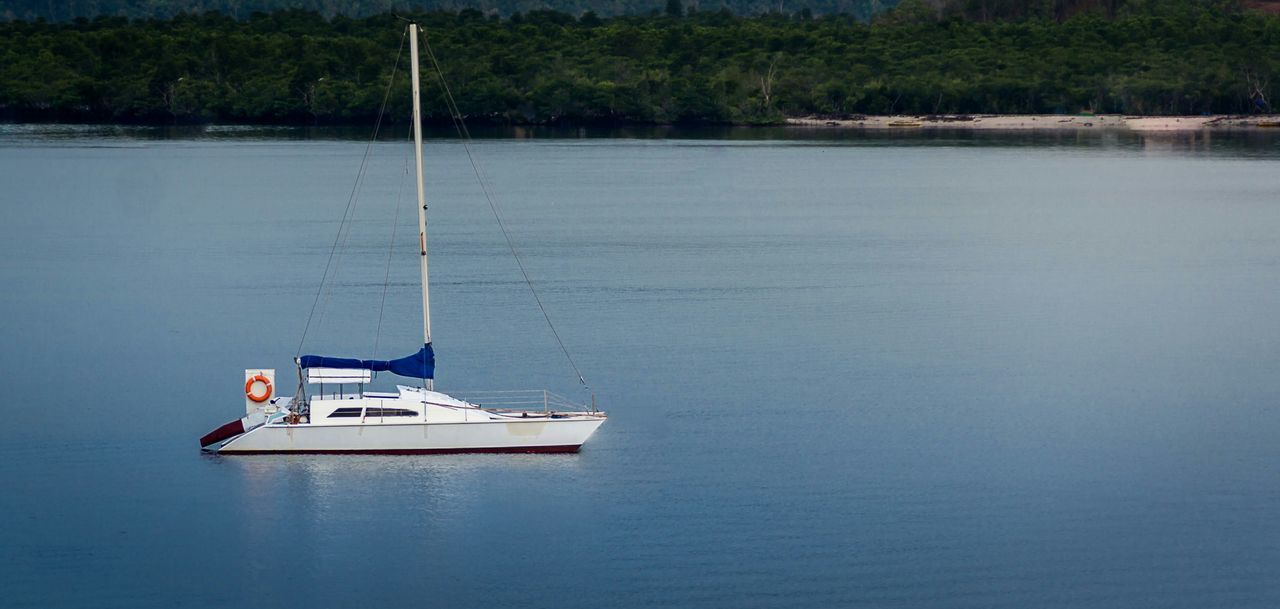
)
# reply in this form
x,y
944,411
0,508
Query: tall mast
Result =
x,y
422,199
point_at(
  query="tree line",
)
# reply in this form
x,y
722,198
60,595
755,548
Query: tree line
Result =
x,y
67,10
680,66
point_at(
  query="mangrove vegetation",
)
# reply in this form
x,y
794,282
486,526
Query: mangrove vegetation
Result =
x,y
679,65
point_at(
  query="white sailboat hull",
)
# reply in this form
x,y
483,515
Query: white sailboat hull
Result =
x,y
510,436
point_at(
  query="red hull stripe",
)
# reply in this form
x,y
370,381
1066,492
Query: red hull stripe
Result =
x,y
229,430
569,448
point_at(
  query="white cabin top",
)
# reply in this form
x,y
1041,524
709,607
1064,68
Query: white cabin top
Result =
x,y
405,405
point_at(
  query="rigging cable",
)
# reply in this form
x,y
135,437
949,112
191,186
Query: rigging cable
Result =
x,y
465,135
355,188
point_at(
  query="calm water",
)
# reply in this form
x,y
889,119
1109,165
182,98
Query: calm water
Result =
x,y
942,371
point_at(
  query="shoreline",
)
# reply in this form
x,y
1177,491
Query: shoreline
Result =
x,y
1109,123
1026,122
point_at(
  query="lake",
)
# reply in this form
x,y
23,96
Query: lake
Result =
x,y
842,370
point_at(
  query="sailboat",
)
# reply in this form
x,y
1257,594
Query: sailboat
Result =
x,y
342,417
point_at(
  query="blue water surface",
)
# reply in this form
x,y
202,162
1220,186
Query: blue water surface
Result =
x,y
948,370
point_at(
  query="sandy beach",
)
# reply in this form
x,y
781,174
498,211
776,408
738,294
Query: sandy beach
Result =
x,y
1044,121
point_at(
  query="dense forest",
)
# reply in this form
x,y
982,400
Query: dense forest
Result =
x,y
982,10
1185,57
66,10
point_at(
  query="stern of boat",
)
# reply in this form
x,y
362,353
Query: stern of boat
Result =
x,y
261,405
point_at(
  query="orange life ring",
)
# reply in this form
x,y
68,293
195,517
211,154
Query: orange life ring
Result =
x,y
257,397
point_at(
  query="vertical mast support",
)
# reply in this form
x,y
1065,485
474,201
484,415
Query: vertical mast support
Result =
x,y
422,200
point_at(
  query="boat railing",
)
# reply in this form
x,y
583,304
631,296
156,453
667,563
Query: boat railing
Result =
x,y
522,399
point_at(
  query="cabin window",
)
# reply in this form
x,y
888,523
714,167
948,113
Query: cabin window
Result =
x,y
389,412
354,413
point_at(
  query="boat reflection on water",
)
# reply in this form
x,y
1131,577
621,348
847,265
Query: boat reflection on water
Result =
x,y
321,488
